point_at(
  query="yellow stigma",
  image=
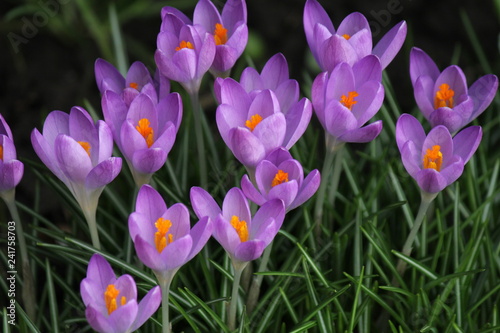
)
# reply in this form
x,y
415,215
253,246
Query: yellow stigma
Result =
x,y
240,227
161,237
146,131
183,45
85,145
346,36
133,85
444,97
349,101
433,159
1,152
220,34
280,178
110,296
253,121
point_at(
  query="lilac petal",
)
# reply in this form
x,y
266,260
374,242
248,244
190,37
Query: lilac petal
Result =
x,y
234,11
108,77
408,128
455,78
271,131
370,99
318,90
267,231
143,226
174,13
275,71
123,317
321,35
287,94
115,112
361,41
447,117
236,204
72,158
423,90
353,23
99,275
98,321
167,138
411,157
206,15
465,143
126,286
206,55
341,82
11,173
250,250
9,149
278,156
251,192
286,192
178,214
227,117
441,137
131,140
453,170
422,65
314,14
234,94
148,254
203,204
81,124
176,253
431,181
309,187
4,128
225,58
169,110
264,104
105,137
148,161
162,85
200,234
264,175
363,134
147,307
57,122
46,153
150,203
335,50
103,173
139,74
225,234
482,92
339,119
297,120
238,38
272,209
294,170
246,147
142,107
251,80
387,48
367,69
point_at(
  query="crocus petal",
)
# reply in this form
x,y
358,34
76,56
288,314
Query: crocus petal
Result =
x,y
287,94
423,90
4,128
448,118
251,80
108,77
176,253
205,55
57,122
115,113
142,225
440,136
99,275
453,170
363,134
72,158
200,234
411,156
148,161
250,250
131,139
123,317
318,96
166,140
234,94
236,204
9,149
274,209
275,71
387,48
234,11
11,173
138,73
297,120
246,147
206,15
278,155
339,119
178,214
251,192
264,175
105,137
98,321
225,234
169,109
466,142
147,307
335,50
103,173
408,128
422,65
46,153
170,13
482,93
314,14
150,203
227,117
353,23
431,181
142,107
286,192
309,187
371,97
340,82
367,69
455,78
225,58
271,131
203,203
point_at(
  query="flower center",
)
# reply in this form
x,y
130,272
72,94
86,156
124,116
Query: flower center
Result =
x,y
346,36
1,152
110,296
133,85
220,34
280,178
444,97
253,121
240,227
433,159
161,237
85,145
146,131
348,101
183,45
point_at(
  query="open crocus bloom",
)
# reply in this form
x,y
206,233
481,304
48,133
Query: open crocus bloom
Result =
x,y
111,302
163,238
352,40
348,98
253,124
78,152
443,97
11,170
144,132
436,160
242,236
279,176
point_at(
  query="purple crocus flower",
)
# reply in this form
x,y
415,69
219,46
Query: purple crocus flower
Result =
x,y
111,302
243,237
138,80
185,52
352,40
229,31
11,170
443,97
436,160
279,176
145,131
347,98
253,124
163,238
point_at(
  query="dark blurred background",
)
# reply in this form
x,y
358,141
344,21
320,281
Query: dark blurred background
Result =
x,y
48,47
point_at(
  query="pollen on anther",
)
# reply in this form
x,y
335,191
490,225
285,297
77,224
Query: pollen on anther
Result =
x,y
253,121
346,36
348,101
85,145
240,227
133,85
143,127
280,178
433,158
183,45
220,34
444,96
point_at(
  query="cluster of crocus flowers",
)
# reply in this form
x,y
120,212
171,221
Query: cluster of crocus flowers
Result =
x,y
352,40
443,97
78,151
11,169
111,302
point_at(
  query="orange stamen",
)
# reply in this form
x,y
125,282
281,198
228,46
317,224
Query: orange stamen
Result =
x,y
146,131
240,227
433,159
253,121
349,101
161,237
133,85
280,178
85,145
346,36
183,45
220,34
1,152
444,97
110,296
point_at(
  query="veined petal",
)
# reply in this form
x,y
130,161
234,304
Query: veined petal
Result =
x,y
103,173
246,147
339,119
482,93
423,92
271,131
235,203
203,203
46,153
314,14
72,159
150,203
353,23
275,71
178,214
318,96
176,253
11,173
367,69
99,275
286,192
297,120
335,50
249,250
387,48
466,142
309,186
441,137
108,77
422,65
225,234
234,12
148,254
411,156
449,118
169,109
363,134
455,78
408,128
274,209
251,192
149,161
57,122
371,97
431,181
147,307
200,234
115,113
340,82
206,15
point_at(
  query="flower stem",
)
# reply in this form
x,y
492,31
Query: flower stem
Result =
x,y
425,202
92,223
253,293
231,318
164,280
200,144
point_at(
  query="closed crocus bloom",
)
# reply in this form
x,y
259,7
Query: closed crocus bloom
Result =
x,y
348,98
436,160
11,170
352,40
279,176
111,302
253,124
145,131
443,97
229,31
185,52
